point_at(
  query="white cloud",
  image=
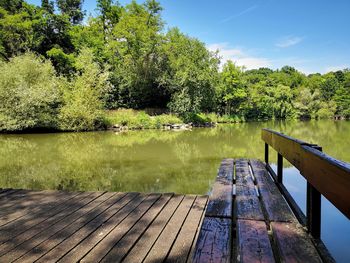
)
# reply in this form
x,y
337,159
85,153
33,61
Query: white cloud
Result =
x,y
239,56
288,41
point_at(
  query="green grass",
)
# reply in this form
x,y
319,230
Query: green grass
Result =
x,y
139,119
134,119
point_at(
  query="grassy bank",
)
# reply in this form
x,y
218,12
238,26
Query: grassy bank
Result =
x,y
134,119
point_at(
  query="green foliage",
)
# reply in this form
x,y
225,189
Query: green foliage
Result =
x,y
191,75
232,91
329,86
139,119
72,9
29,94
83,107
124,58
64,63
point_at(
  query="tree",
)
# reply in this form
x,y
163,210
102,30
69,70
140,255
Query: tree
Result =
x,y
82,103
11,6
191,72
307,104
232,91
48,6
329,86
133,53
73,9
109,13
29,94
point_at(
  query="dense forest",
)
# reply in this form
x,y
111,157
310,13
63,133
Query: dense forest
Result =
x,y
61,69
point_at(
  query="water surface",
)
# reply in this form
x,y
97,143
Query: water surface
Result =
x,y
166,161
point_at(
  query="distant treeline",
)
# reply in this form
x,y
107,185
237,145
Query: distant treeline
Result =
x,y
60,69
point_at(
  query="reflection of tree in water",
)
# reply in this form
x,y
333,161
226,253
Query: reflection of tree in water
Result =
x,y
151,160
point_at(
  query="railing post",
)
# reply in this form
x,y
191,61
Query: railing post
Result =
x,y
313,208
266,153
279,168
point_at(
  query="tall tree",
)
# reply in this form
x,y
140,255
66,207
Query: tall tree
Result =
x,y
110,13
11,6
48,6
73,9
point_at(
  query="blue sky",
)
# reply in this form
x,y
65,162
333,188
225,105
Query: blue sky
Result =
x,y
310,35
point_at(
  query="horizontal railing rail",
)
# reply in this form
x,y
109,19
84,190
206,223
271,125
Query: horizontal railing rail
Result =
x,y
324,175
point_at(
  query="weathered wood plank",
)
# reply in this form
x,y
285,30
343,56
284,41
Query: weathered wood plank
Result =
x,y
103,247
47,202
329,176
35,247
145,243
275,205
21,220
26,199
293,243
220,200
253,244
214,241
166,239
127,204
247,203
79,235
16,234
184,241
118,252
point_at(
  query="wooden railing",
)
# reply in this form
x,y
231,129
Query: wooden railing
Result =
x,y
324,175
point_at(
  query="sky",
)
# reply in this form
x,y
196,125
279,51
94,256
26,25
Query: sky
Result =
x,y
310,35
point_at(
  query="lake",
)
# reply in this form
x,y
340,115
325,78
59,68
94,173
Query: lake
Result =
x,y
167,161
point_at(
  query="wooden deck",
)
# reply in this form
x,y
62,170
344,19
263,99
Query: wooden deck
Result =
x,y
245,219
248,220
51,226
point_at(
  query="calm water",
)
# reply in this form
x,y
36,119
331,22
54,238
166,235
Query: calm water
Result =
x,y
166,161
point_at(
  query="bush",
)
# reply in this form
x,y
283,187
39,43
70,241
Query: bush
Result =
x,y
83,106
139,119
29,94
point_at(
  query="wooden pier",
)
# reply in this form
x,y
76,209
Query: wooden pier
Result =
x,y
249,216
248,220
51,226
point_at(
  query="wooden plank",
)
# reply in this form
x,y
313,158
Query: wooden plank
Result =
x,y
247,203
291,202
127,204
184,241
22,237
47,202
73,240
253,244
275,205
293,243
103,247
35,247
214,241
16,234
329,176
25,221
25,199
288,147
220,200
166,239
6,193
119,251
145,243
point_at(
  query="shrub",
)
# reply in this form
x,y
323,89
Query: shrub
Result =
x,y
83,106
139,119
29,94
